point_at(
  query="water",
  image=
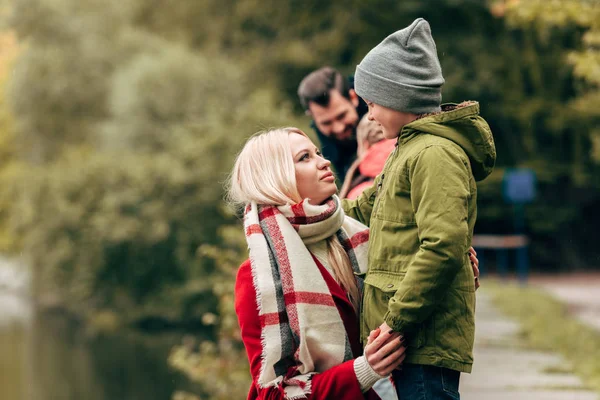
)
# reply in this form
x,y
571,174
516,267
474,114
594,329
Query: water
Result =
x,y
49,356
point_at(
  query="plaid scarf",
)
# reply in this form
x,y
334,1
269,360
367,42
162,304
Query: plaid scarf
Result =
x,y
302,332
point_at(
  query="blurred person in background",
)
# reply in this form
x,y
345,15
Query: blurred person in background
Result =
x,y
329,98
421,212
373,150
298,296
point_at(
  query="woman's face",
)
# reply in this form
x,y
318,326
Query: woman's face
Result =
x,y
314,178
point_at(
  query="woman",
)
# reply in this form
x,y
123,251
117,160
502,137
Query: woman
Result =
x,y
297,297
371,154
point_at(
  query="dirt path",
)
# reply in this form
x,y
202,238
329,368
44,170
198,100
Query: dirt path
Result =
x,y
506,369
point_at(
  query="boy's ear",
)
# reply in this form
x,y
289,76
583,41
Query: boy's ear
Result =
x,y
353,97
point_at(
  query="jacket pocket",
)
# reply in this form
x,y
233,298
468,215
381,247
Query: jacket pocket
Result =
x,y
400,213
380,287
384,281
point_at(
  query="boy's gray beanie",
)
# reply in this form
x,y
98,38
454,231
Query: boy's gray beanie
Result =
x,y
403,71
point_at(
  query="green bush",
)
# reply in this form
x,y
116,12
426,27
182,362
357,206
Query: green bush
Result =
x,y
121,230
220,366
124,175
9,165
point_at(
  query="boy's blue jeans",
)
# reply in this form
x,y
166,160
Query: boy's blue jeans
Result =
x,y
426,382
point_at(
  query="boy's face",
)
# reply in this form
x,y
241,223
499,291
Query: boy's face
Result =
x,y
390,121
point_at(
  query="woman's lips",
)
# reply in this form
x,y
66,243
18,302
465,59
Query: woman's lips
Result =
x,y
328,177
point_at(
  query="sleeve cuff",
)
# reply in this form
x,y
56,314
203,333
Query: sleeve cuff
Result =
x,y
397,324
366,376
392,322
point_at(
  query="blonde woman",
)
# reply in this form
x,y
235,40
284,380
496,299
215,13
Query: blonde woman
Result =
x,y
298,296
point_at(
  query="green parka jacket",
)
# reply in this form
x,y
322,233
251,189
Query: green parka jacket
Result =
x,y
421,211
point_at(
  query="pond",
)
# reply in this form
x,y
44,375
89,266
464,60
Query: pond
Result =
x,y
49,356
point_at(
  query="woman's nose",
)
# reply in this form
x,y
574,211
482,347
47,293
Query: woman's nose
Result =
x,y
324,163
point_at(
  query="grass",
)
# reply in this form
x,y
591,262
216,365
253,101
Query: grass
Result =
x,y
547,325
558,369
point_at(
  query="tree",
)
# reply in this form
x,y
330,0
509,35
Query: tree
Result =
x,y
59,88
128,136
585,15
560,43
9,166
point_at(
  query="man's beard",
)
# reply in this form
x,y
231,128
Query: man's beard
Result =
x,y
351,136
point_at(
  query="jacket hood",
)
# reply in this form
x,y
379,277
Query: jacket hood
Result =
x,y
462,124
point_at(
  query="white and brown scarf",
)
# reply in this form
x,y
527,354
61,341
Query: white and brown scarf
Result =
x,y
301,329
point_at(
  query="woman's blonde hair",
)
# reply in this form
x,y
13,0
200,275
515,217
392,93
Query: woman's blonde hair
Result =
x,y
342,268
264,172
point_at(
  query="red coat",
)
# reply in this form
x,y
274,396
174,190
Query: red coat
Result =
x,y
372,164
336,383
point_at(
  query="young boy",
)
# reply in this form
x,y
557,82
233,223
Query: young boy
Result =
x,y
421,211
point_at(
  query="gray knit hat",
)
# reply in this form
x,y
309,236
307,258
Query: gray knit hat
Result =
x,y
403,71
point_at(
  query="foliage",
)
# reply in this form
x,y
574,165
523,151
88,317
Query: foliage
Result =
x,y
180,395
116,229
9,166
585,15
547,325
549,123
117,199
59,87
219,366
135,219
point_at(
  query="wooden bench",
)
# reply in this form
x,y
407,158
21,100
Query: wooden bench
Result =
x,y
502,244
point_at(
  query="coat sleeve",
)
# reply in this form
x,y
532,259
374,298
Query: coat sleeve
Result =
x,y
339,382
362,207
440,196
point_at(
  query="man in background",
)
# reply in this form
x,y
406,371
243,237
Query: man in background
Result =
x,y
329,98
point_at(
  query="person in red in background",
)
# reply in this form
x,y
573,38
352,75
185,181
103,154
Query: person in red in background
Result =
x,y
372,152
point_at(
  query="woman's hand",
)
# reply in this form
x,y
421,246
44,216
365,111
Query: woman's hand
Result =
x,y
475,265
385,351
